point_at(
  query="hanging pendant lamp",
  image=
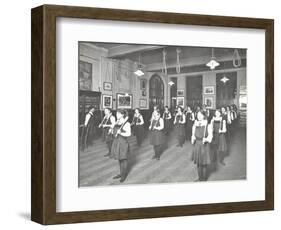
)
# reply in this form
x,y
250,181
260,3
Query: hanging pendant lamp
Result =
x,y
213,63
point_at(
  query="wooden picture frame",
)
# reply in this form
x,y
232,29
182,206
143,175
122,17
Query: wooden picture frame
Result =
x,y
43,159
209,102
124,101
209,90
180,92
143,103
106,101
107,86
180,101
143,84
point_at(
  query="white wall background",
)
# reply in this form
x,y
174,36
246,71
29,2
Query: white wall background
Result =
x,y
15,113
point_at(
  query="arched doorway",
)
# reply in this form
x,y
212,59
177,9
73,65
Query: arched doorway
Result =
x,y
156,92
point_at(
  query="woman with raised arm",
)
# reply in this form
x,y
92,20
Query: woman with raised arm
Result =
x,y
167,116
157,138
120,145
190,117
201,138
179,122
219,141
137,125
107,125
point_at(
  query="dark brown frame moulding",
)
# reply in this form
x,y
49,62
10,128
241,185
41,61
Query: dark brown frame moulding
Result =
x,y
43,157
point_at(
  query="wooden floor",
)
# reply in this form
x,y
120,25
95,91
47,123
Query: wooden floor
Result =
x,y
175,164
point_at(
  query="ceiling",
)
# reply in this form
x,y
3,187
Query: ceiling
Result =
x,y
152,54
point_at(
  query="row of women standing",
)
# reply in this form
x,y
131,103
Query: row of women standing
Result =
x,y
209,139
203,133
210,136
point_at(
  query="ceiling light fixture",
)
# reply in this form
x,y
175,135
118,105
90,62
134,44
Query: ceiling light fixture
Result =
x,y
224,79
171,83
213,63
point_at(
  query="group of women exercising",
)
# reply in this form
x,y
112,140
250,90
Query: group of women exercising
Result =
x,y
208,134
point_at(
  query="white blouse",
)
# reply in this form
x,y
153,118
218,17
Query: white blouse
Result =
x,y
209,128
126,130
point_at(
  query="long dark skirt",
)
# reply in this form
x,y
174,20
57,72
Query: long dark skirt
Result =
x,y
219,141
139,132
120,148
201,153
157,137
167,125
180,131
188,130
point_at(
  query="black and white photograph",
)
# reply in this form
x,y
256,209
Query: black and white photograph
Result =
x,y
180,92
189,127
209,102
209,90
124,101
107,101
107,86
180,102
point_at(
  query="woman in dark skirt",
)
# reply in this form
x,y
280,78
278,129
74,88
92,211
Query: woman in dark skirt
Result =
x,y
201,138
180,126
157,138
196,110
120,145
137,125
107,125
234,116
189,115
219,141
167,116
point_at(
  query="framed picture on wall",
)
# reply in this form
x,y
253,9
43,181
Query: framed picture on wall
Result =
x,y
124,101
143,83
106,101
180,101
85,75
209,90
107,86
180,92
143,103
209,102
70,175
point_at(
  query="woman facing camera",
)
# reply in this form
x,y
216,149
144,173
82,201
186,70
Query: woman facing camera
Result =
x,y
180,126
137,125
167,116
219,141
201,138
120,145
157,136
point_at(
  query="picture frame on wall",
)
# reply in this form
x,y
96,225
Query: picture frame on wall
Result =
x,y
143,83
180,92
143,103
107,86
106,101
124,101
85,75
180,101
209,102
56,197
209,90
